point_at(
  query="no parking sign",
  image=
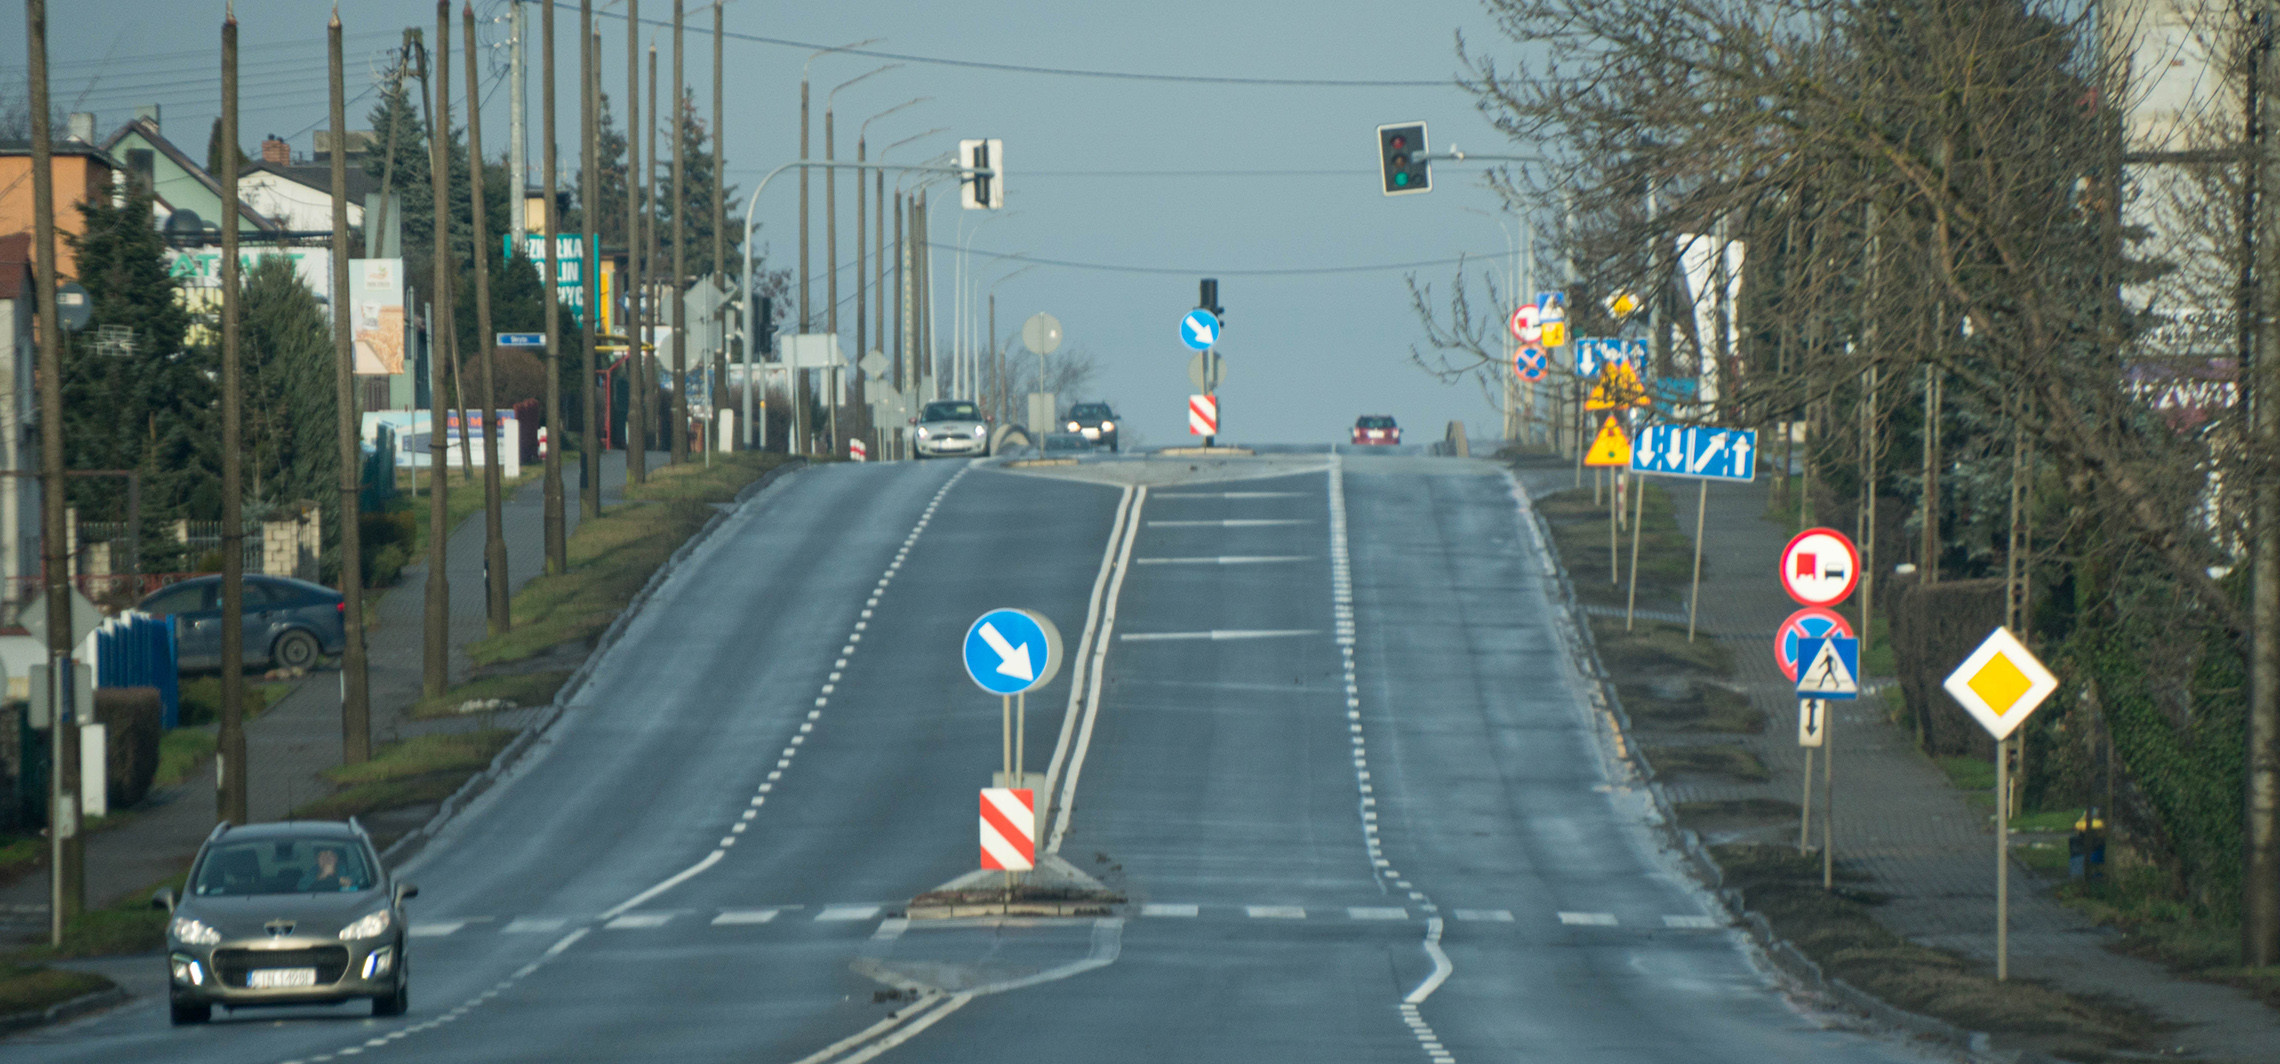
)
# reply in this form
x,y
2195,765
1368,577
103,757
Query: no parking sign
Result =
x,y
1812,622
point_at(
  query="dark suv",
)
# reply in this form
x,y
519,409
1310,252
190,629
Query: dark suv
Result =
x,y
1095,422
291,913
288,623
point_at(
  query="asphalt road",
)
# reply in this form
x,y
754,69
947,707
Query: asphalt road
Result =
x,y
1338,761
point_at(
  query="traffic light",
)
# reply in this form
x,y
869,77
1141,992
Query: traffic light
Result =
x,y
982,191
1207,297
1401,159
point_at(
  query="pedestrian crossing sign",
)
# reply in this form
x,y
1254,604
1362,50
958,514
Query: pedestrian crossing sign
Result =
x,y
1612,448
1831,669
1619,386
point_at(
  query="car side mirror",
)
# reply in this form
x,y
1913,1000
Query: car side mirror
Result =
x,y
407,891
163,898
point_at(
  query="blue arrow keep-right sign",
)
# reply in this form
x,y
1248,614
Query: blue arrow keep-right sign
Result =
x,y
1011,651
1200,329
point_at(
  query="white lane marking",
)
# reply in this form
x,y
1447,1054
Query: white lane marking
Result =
x,y
533,925
436,928
893,1020
640,921
1588,919
1227,559
835,913
1097,669
668,883
1235,494
739,917
1691,923
1169,909
1376,913
1442,969
1234,522
890,929
1484,916
1219,634
1275,912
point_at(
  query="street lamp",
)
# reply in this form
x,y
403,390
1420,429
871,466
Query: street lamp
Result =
x,y
831,244
997,348
863,272
965,358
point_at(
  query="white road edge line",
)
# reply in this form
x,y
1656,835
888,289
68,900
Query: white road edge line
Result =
x,y
1084,644
1442,969
1101,641
866,1034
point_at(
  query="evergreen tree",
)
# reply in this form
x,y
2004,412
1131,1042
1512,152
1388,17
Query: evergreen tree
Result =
x,y
290,414
407,178
698,165
214,152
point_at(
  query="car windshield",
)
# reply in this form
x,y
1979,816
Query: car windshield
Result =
x,y
1376,423
1089,412
951,411
308,865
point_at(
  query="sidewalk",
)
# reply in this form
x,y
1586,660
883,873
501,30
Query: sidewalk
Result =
x,y
1901,823
297,739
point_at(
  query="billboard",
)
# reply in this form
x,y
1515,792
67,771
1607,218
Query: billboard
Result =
x,y
376,315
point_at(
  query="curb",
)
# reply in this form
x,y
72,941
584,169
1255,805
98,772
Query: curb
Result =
x,y
414,841
1783,954
62,1010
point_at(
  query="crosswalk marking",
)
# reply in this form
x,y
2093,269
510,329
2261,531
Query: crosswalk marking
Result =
x,y
833,913
745,916
1275,912
1163,909
1376,913
1490,916
1588,919
436,928
533,925
639,922
1692,923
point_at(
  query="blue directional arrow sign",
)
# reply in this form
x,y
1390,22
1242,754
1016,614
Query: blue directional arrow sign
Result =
x,y
1588,357
522,339
1012,651
1200,329
1828,668
1696,451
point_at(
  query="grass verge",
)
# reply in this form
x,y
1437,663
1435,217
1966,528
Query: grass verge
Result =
x,y
1838,931
612,556
1579,531
415,771
1732,762
180,753
2158,926
509,691
33,988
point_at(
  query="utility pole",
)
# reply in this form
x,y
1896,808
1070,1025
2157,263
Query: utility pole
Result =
x,y
435,629
494,518
720,217
2260,909
902,297
652,416
355,688
922,282
589,223
636,424
231,768
831,273
879,282
67,884
862,276
680,448
518,111
557,541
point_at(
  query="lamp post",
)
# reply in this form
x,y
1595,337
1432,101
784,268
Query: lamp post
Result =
x,y
997,350
864,335
831,242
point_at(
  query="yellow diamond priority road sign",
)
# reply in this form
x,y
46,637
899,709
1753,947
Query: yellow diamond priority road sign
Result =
x,y
2001,683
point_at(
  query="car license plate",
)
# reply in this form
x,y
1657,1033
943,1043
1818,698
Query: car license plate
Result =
x,y
275,978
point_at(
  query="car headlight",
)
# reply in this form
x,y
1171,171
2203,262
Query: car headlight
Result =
x,y
193,932
1072,426
372,925
922,432
1108,426
981,431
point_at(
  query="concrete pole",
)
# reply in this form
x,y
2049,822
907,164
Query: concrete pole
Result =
x,y
518,111
2260,901
830,275
556,532
232,770
590,211
720,208
652,415
435,645
680,441
497,607
355,690
67,886
636,423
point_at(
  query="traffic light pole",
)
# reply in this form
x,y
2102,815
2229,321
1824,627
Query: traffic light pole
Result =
x,y
751,208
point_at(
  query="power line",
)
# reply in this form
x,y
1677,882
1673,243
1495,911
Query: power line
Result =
x,y
1065,72
1288,271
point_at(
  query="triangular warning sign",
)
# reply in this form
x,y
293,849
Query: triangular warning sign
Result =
x,y
1612,448
1619,386
1827,675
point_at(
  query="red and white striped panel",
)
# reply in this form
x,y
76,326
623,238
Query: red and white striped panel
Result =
x,y
1203,415
1009,829
858,451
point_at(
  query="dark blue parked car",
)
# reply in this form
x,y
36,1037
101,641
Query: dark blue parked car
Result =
x,y
288,623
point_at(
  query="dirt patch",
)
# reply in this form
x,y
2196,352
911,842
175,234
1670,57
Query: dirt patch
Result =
x,y
1838,930
1721,760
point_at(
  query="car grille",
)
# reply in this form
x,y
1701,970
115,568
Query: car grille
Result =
x,y
331,962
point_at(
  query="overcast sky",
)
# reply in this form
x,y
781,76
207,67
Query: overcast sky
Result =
x,y
1305,354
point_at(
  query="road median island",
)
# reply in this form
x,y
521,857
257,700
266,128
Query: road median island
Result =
x,y
1686,720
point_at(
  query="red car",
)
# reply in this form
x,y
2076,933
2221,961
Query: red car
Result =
x,y
1376,430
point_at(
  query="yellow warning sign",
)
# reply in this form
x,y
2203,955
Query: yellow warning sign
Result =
x,y
1612,448
1619,386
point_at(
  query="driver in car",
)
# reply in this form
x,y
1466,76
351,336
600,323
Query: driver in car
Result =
x,y
327,874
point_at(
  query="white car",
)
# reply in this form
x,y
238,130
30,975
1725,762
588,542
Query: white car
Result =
x,y
951,428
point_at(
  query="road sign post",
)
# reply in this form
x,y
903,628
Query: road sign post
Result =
x,y
2001,684
1704,453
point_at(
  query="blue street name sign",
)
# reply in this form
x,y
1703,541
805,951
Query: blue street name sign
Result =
x,y
1828,668
522,339
1696,451
1200,329
1009,652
